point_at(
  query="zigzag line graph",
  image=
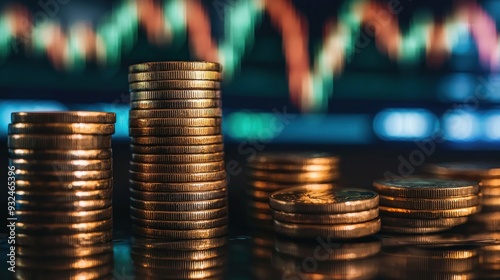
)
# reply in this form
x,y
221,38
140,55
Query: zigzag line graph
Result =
x,y
310,82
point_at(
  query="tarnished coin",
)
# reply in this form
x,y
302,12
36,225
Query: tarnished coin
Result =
x,y
179,215
46,154
174,94
180,225
174,84
413,230
180,234
175,75
342,218
56,185
61,128
77,205
97,272
39,217
79,239
62,176
66,228
344,231
177,187
429,214
425,187
178,206
63,117
295,177
178,196
176,104
174,66
183,158
65,263
63,196
177,168
178,141
197,149
474,170
175,122
178,177
54,251
423,223
176,113
61,165
70,141
430,203
179,245
174,131
323,200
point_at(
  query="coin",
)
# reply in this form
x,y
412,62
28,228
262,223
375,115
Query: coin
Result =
x,y
490,183
63,117
61,128
179,206
79,239
60,154
63,175
343,218
179,215
295,158
344,231
273,186
258,194
174,131
175,122
61,165
177,168
178,187
423,223
466,169
445,252
65,263
178,255
97,272
176,104
178,141
429,203
183,158
79,205
176,113
180,225
174,94
175,65
322,200
180,234
178,264
148,273
425,187
413,230
70,141
177,177
57,185
175,75
490,201
37,217
295,177
179,245
293,167
198,149
63,196
179,196
429,214
31,228
54,251
174,84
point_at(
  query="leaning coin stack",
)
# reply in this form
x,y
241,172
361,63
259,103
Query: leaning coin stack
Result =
x,y
324,211
63,171
178,187
425,205
270,172
488,174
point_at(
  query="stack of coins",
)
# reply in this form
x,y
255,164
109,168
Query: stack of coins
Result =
x,y
63,172
319,211
178,187
270,172
426,205
488,174
184,259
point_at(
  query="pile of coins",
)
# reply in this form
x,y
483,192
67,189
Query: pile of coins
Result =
x,y
64,187
488,174
325,211
270,172
178,182
426,205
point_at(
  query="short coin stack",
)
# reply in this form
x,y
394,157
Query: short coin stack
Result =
x,y
63,171
319,211
178,187
425,205
270,172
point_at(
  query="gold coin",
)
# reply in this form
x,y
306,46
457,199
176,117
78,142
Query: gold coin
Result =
x,y
60,154
70,141
148,273
37,217
63,175
423,223
71,228
178,255
176,113
178,187
175,131
425,187
175,65
174,84
175,122
64,196
445,252
97,272
490,201
177,168
490,183
430,203
178,206
50,252
413,230
63,117
343,218
179,245
178,264
295,177
273,167
175,75
429,214
79,239
179,196
61,165
198,149
176,104
179,215
61,128
466,169
323,200
272,186
345,231
78,205
65,263
296,158
180,234
180,225
178,178
174,94
177,141
182,158
57,185
489,191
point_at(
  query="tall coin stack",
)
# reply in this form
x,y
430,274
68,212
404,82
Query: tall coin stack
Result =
x,y
270,172
426,205
64,185
178,182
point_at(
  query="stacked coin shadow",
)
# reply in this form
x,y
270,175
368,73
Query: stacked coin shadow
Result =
x,y
488,174
182,259
310,212
64,185
417,205
177,177
324,259
270,172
